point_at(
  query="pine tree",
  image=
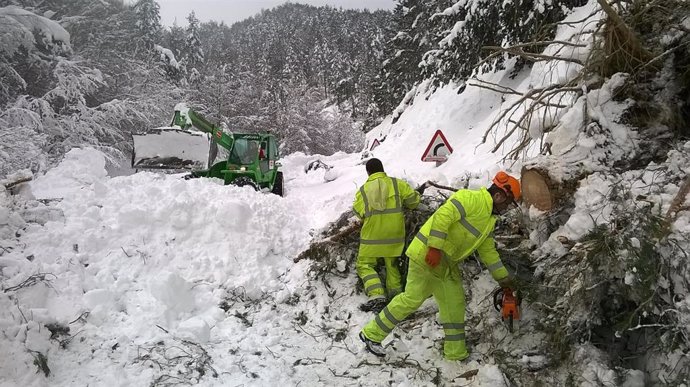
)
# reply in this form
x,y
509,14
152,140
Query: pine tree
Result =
x,y
175,39
194,54
148,22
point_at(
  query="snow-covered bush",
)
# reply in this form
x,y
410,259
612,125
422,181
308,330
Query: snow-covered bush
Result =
x,y
616,274
27,44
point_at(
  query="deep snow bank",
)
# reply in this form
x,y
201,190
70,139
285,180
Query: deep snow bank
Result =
x,y
139,251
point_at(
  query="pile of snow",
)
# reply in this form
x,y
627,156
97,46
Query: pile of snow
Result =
x,y
139,251
136,265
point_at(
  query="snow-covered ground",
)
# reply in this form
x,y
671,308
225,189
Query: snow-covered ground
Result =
x,y
138,266
163,280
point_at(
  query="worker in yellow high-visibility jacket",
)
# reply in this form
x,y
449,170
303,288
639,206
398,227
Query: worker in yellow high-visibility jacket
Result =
x,y
463,224
379,203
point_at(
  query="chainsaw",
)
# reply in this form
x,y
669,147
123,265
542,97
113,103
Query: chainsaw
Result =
x,y
507,302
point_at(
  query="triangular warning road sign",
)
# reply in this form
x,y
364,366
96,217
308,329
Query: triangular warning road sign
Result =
x,y
438,149
374,144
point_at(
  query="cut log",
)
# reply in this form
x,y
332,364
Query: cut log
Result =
x,y
542,191
535,190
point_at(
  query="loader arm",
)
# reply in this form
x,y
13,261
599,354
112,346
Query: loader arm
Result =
x,y
187,117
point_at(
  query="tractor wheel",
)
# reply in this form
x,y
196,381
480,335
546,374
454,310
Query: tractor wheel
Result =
x,y
243,181
278,184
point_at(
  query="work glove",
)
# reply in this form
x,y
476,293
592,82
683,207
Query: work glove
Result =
x,y
433,257
421,189
507,283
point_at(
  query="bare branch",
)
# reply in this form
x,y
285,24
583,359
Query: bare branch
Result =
x,y
533,57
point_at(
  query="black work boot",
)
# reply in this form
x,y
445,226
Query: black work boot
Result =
x,y
372,346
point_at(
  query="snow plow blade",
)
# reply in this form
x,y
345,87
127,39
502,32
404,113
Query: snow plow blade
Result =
x,y
171,148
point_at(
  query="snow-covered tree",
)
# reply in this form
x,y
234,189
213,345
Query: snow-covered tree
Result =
x,y
148,22
28,44
168,63
412,37
462,29
175,39
194,54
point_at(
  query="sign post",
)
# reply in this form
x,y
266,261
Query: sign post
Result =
x,y
438,149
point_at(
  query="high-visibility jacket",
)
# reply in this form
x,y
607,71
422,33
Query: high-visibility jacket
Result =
x,y
463,224
379,203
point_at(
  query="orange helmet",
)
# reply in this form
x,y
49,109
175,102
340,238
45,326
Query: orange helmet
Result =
x,y
508,184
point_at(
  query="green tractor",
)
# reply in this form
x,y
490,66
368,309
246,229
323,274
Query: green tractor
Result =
x,y
242,159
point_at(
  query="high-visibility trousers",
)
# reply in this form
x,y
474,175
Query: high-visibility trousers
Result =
x,y
366,270
445,284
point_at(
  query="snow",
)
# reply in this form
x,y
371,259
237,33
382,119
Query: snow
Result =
x,y
18,26
166,142
149,268
463,119
143,259
167,56
79,169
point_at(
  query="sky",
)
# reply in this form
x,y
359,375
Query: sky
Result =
x,y
231,11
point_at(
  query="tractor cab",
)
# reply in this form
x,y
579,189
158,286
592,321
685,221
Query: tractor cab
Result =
x,y
252,161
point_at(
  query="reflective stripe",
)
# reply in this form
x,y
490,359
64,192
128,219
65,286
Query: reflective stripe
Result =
x,y
438,234
373,287
463,220
390,317
454,326
366,201
495,266
386,211
381,325
397,193
458,337
370,277
422,238
381,241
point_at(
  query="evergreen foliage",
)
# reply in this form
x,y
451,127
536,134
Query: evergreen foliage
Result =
x,y
148,21
442,40
116,71
194,54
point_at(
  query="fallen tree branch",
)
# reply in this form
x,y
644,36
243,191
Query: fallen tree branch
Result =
x,y
30,281
507,90
331,241
16,183
621,26
439,186
678,201
530,56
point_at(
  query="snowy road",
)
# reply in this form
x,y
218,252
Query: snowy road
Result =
x,y
162,280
